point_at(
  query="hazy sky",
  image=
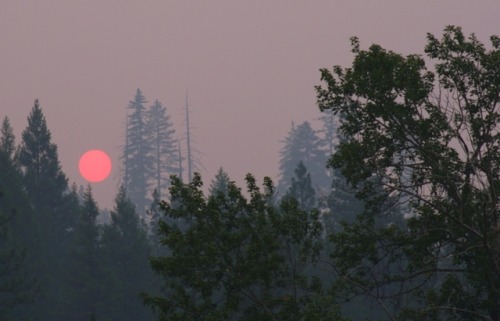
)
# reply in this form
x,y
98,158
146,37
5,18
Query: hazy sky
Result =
x,y
249,66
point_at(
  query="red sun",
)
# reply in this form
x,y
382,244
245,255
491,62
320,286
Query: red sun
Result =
x,y
95,165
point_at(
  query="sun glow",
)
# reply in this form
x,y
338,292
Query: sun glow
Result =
x,y
95,165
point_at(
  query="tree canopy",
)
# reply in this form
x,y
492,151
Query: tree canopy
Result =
x,y
237,258
430,137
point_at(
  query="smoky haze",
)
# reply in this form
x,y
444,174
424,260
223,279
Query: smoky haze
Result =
x,y
249,67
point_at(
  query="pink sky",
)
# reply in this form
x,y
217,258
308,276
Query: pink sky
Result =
x,y
250,67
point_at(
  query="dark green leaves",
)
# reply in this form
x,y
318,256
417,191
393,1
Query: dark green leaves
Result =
x,y
430,140
233,257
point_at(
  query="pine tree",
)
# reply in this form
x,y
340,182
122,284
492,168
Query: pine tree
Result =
x,y
220,184
7,139
126,249
137,157
14,196
45,185
85,277
16,286
18,240
154,216
43,178
301,188
302,144
329,131
73,200
164,147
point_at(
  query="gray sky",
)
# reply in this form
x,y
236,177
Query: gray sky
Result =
x,y
250,66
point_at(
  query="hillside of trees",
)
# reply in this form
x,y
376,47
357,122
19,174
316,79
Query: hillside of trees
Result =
x,y
388,211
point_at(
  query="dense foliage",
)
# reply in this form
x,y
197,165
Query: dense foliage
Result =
x,y
238,258
431,139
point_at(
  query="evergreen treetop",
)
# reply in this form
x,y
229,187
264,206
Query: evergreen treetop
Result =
x,y
164,147
7,138
302,144
42,175
137,157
